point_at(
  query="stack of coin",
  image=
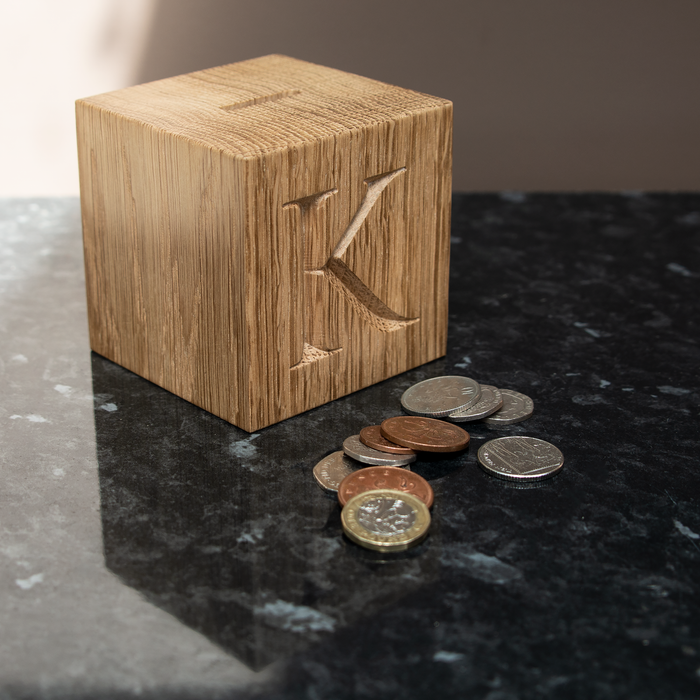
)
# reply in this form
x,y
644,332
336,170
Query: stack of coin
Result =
x,y
462,399
385,505
394,443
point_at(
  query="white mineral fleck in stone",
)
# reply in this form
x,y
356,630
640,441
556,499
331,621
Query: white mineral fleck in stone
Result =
x,y
679,269
448,657
686,530
243,448
674,391
27,583
466,361
295,618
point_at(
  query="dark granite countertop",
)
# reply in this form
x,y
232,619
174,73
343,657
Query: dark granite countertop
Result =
x,y
152,550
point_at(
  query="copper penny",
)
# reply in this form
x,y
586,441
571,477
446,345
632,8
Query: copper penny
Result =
x,y
392,478
425,434
372,437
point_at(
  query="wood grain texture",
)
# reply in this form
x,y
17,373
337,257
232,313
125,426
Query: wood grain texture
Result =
x,y
267,236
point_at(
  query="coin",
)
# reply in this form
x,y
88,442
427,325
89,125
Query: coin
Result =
x,y
331,470
386,521
391,478
519,458
516,408
372,437
490,401
440,396
357,450
425,434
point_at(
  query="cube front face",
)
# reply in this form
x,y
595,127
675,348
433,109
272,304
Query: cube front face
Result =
x,y
261,281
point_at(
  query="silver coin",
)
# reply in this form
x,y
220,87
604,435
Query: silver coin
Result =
x,y
440,396
490,401
516,407
518,458
331,470
386,516
359,451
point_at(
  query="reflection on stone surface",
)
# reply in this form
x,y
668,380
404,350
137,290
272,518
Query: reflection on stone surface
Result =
x,y
228,531
566,587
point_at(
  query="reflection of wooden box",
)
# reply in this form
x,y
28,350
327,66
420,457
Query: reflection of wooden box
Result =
x,y
267,236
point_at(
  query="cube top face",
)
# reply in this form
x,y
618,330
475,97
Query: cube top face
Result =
x,y
265,104
262,258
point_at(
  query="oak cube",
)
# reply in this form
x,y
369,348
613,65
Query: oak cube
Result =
x,y
267,236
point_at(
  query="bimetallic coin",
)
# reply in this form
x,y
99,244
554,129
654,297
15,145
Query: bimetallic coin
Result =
x,y
372,437
516,408
518,458
490,401
425,434
359,451
386,521
331,470
391,478
440,396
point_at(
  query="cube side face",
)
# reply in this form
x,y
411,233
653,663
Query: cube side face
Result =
x,y
163,244
347,261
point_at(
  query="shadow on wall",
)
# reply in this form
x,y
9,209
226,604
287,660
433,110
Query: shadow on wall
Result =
x,y
547,95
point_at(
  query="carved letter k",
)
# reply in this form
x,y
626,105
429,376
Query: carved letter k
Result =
x,y
321,336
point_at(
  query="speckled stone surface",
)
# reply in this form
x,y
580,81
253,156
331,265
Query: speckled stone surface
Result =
x,y
151,550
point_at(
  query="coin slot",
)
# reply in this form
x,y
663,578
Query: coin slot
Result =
x,y
260,100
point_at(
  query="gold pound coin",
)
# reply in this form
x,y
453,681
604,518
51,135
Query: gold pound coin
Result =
x,y
385,520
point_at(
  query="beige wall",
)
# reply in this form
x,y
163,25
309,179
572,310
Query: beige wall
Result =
x,y
549,94
51,53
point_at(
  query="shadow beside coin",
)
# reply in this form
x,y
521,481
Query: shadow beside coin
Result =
x,y
330,495
370,555
526,485
333,524
435,465
520,485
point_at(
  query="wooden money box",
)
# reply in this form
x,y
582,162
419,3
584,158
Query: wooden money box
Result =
x,y
267,236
